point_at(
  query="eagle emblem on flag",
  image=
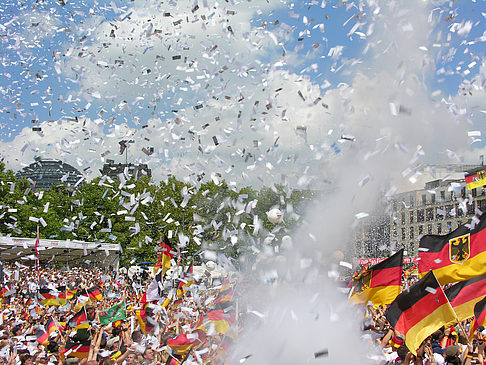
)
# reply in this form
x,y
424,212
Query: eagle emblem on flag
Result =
x,y
459,249
363,281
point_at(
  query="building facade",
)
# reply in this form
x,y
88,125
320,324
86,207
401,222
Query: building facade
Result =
x,y
439,208
113,170
44,173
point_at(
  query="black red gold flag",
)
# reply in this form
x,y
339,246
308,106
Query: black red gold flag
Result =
x,y
420,311
457,256
379,284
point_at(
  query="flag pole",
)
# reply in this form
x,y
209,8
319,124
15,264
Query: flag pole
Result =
x,y
452,309
37,253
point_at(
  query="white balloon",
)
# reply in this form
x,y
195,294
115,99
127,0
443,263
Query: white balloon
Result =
x,y
210,265
286,243
274,215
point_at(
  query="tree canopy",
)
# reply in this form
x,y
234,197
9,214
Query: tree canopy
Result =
x,y
138,213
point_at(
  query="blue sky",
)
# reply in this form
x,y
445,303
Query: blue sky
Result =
x,y
132,70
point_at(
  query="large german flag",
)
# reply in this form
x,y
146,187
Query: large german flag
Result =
x,y
463,296
420,311
457,256
379,284
479,316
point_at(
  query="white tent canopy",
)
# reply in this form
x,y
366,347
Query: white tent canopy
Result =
x,y
71,252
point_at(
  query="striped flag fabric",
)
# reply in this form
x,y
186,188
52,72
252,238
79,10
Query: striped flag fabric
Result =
x,y
144,321
217,321
420,311
94,293
457,256
379,284
182,343
463,296
479,316
75,349
475,179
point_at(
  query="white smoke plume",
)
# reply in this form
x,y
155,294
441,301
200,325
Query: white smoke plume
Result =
x,y
390,126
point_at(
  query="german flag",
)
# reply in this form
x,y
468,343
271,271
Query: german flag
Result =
x,y
49,297
457,256
475,179
420,311
217,320
479,316
381,283
51,326
94,293
463,296
167,255
186,282
225,293
75,349
181,344
65,294
144,321
81,319
42,337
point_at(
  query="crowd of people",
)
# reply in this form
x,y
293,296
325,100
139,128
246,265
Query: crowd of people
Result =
x,y
99,316
456,345
102,316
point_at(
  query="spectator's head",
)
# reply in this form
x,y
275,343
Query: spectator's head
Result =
x,y
136,336
402,352
132,359
26,359
149,355
16,331
452,355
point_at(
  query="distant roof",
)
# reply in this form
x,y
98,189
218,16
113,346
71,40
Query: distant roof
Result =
x,y
47,172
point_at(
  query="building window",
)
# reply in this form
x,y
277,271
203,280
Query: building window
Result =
x,y
429,214
429,228
420,215
412,201
449,227
449,211
459,211
411,216
471,208
424,199
440,210
403,218
411,233
442,195
474,192
439,228
432,198
403,234
420,229
463,193
482,204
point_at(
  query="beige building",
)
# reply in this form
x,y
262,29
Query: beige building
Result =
x,y
439,207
